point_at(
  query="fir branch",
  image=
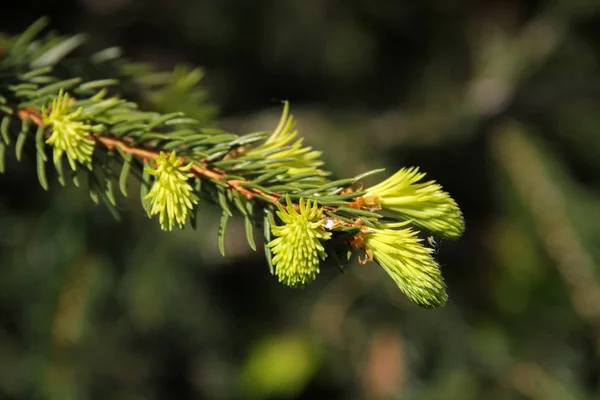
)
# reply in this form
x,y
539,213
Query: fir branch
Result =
x,y
200,169
99,124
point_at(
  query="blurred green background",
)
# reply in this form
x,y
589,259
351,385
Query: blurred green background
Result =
x,y
499,101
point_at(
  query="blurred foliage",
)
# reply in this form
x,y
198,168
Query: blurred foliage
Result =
x,y
496,100
279,366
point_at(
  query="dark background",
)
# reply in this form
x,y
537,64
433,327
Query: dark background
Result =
x,y
499,101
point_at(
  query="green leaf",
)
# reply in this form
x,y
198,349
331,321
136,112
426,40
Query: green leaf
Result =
x,y
41,169
367,174
268,220
97,84
223,202
6,109
359,213
108,54
43,80
254,186
94,196
285,189
232,178
249,138
182,121
163,119
23,87
344,197
40,143
59,169
144,188
194,213
330,185
269,175
124,175
18,49
222,229
228,163
2,156
35,73
109,191
194,218
55,87
4,125
97,192
198,186
249,232
75,178
216,153
20,145
368,222
56,53
239,203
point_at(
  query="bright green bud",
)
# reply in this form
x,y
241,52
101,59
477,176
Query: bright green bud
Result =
x,y
283,145
409,263
70,134
425,204
171,195
298,250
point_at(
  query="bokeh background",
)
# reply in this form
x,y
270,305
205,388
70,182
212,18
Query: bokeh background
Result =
x,y
499,101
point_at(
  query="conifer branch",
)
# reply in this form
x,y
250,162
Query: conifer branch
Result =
x,y
95,123
145,155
